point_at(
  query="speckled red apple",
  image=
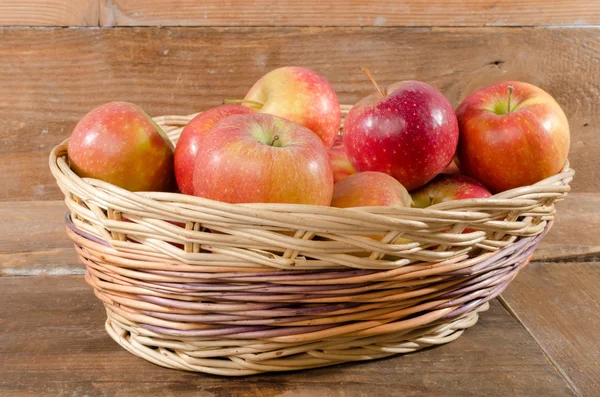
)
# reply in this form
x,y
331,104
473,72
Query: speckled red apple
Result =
x,y
340,164
189,140
407,130
119,143
367,189
261,158
507,143
299,95
447,187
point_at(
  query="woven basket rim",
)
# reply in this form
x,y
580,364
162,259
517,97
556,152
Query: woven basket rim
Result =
x,y
488,220
60,169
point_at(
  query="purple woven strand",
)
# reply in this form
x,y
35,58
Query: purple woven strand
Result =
x,y
504,253
470,306
248,332
225,319
81,233
263,288
275,309
274,275
498,256
471,286
177,304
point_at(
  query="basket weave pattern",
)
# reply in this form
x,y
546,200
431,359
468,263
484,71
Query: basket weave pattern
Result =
x,y
239,289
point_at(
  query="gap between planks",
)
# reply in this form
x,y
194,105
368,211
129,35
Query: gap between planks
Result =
x,y
551,360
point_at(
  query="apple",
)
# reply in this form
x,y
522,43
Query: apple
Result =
x,y
512,134
299,95
261,158
407,130
119,143
365,189
340,164
452,168
446,187
189,140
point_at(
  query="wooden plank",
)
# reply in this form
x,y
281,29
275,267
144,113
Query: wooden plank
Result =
x,y
573,235
559,304
293,13
60,74
49,12
52,342
349,13
34,240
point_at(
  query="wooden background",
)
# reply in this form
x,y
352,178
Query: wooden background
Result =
x,y
60,58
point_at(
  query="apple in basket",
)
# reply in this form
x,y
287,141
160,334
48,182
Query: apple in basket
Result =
x,y
340,164
512,134
189,140
452,168
119,143
407,130
261,158
299,95
365,189
446,187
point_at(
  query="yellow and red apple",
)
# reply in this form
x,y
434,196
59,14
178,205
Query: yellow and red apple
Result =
x,y
119,143
261,158
189,141
367,189
512,134
447,187
299,95
340,163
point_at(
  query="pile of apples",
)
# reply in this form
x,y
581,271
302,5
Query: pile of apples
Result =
x,y
282,144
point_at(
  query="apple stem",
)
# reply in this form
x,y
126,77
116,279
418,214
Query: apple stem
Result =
x,y
275,138
510,91
370,76
230,101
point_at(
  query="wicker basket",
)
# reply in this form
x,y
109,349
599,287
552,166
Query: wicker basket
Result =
x,y
232,289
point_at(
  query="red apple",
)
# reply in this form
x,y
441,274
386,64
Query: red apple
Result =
x,y
189,140
300,95
512,134
448,187
340,164
260,158
119,143
407,130
365,189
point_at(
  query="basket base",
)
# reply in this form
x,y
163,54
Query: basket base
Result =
x,y
249,357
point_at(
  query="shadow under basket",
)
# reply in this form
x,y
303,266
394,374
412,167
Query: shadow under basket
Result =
x,y
239,289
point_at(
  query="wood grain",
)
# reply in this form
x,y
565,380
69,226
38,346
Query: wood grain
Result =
x,y
293,13
52,77
34,240
53,343
559,304
573,235
49,12
349,13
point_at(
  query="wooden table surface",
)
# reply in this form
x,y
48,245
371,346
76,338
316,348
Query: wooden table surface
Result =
x,y
61,58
